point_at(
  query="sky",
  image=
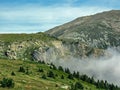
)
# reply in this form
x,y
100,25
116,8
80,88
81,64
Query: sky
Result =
x,y
31,16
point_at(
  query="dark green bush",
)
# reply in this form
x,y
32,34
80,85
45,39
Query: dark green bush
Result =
x,y
51,74
44,76
40,70
62,77
77,86
21,69
13,73
7,82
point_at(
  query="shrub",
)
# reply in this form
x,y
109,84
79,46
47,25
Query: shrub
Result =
x,y
62,77
21,69
44,76
12,73
53,66
40,70
27,70
51,74
77,86
70,76
7,82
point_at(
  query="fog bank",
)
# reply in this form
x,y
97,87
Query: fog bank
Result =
x,y
102,68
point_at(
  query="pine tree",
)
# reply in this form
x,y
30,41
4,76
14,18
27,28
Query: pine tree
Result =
x,y
102,84
98,84
67,70
70,76
51,74
62,77
106,85
74,74
84,77
60,68
77,75
53,66
92,81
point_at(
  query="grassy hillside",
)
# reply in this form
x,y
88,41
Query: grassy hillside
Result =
x,y
24,37
33,79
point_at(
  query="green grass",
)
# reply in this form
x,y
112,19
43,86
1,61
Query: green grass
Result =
x,y
9,38
33,80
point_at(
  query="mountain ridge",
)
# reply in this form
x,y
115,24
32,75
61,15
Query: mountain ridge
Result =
x,y
88,19
100,30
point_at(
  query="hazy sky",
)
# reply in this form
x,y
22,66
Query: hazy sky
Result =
x,y
28,16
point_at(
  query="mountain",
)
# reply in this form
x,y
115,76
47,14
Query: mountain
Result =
x,y
77,41
101,30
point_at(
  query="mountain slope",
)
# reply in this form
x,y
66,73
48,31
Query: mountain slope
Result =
x,y
100,30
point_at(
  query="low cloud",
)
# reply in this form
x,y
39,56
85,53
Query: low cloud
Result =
x,y
102,68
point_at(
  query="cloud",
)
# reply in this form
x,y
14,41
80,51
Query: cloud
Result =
x,y
44,17
102,68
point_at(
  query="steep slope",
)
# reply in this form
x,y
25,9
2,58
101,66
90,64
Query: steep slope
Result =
x,y
101,30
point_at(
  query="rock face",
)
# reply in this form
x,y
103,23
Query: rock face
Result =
x,y
49,53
